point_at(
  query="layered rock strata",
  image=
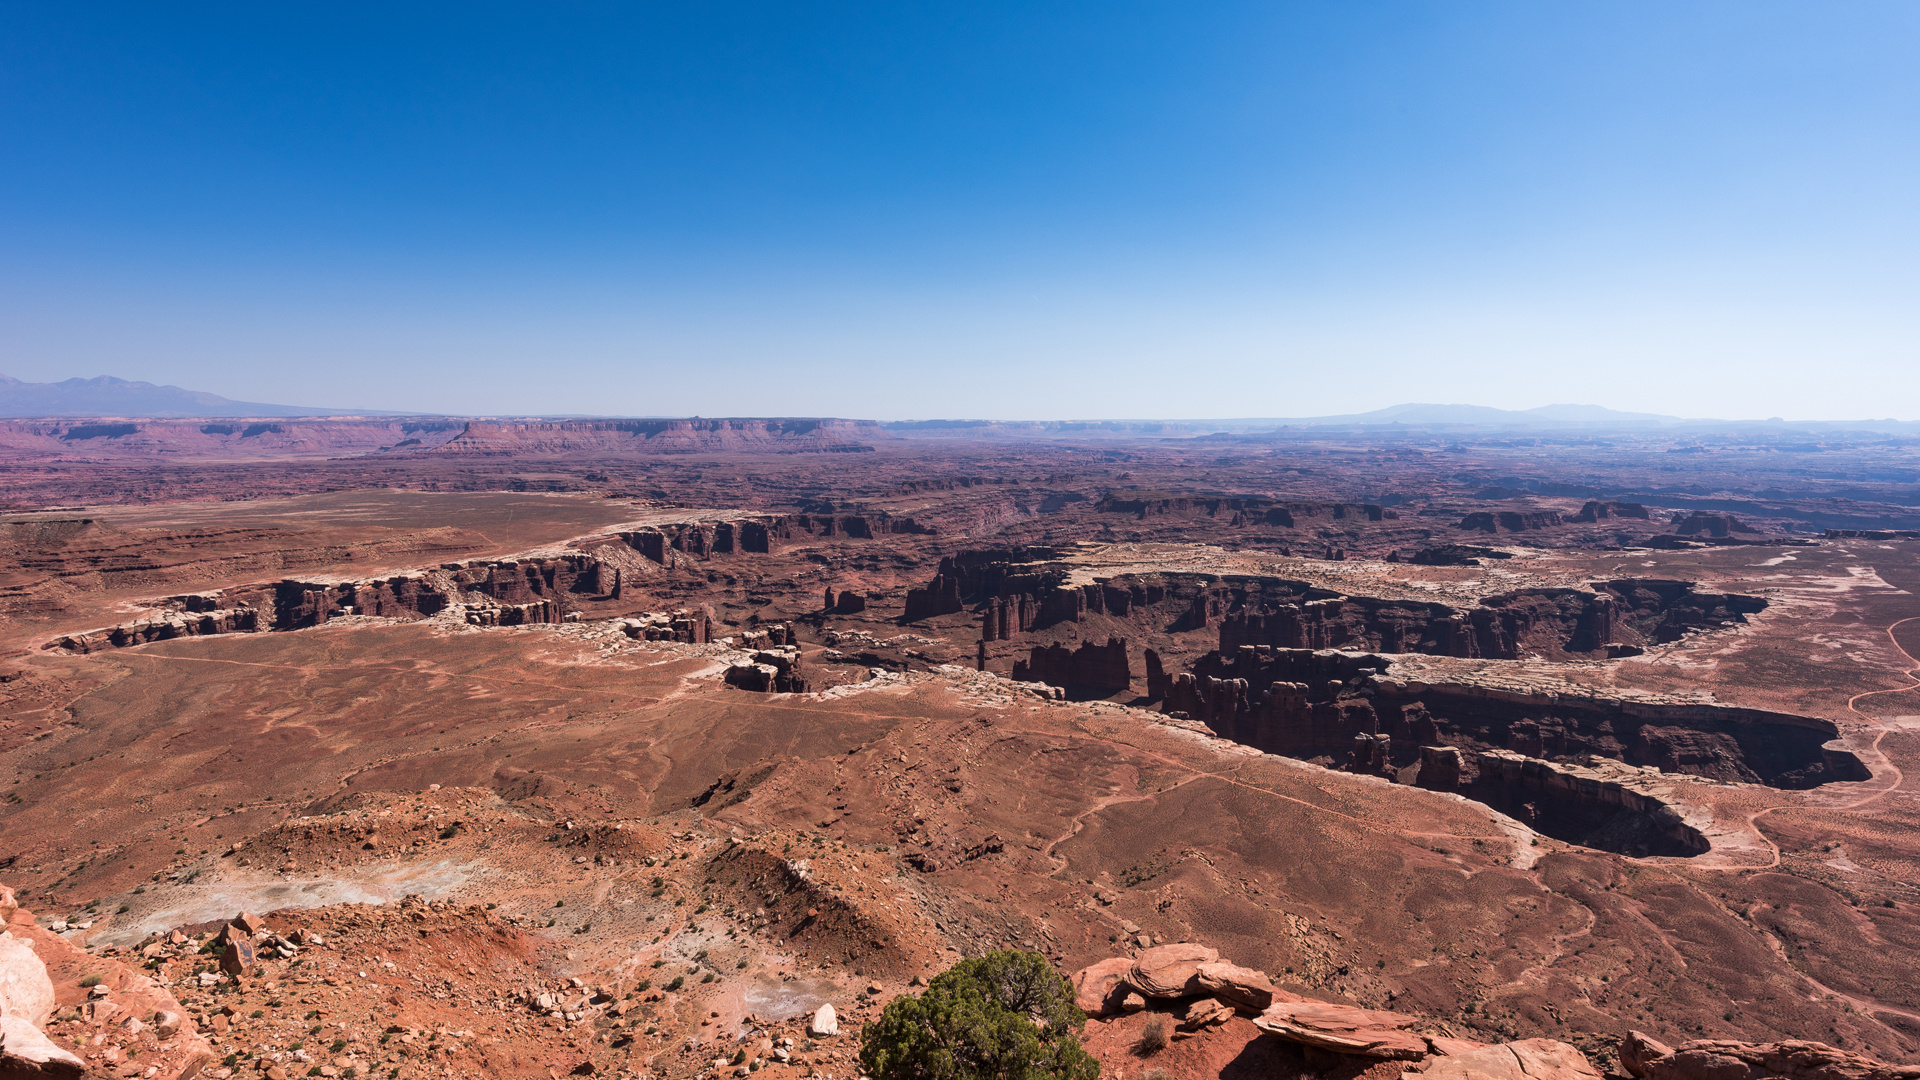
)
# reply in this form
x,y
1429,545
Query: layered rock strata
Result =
x,y
1090,670
1192,981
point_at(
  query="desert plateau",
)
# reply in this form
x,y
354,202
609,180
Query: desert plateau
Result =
x,y
557,748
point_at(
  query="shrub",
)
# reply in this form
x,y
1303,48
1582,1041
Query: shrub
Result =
x,y
1153,1037
678,982
90,981
1003,1016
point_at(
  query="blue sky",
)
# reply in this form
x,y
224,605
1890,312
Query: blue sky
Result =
x,y
1010,210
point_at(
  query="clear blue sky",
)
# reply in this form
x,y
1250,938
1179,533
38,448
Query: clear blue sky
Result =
x,y
1014,210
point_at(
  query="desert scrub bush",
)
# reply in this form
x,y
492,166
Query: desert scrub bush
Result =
x,y
1003,1016
1153,1037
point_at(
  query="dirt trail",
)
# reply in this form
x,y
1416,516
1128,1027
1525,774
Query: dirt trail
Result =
x,y
1899,777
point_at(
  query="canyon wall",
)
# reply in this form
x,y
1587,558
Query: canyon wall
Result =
x,y
760,535
1021,590
437,436
506,592
191,439
683,436
1311,704
1088,671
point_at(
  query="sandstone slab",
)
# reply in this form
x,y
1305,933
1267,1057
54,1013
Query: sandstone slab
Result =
x,y
1344,1029
25,989
1170,971
27,1054
1100,989
1243,988
1721,1059
1529,1059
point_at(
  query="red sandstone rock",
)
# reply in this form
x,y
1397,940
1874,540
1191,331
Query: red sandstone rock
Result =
x,y
1528,1059
1639,1049
1101,988
1243,988
1170,971
1206,1012
27,1054
1345,1029
1719,1059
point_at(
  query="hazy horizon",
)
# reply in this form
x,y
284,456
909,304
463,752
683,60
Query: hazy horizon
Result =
x,y
1089,211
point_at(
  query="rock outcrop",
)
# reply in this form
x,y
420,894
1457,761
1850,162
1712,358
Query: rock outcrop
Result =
x,y
1450,555
1345,1029
1527,1059
1597,510
1511,520
1101,989
687,627
1170,971
1241,511
941,596
1191,981
1718,1059
489,438
1609,805
1704,523
670,544
770,671
51,992
1088,671
1311,703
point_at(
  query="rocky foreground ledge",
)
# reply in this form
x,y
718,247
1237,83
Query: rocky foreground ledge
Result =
x,y
1170,994
128,1024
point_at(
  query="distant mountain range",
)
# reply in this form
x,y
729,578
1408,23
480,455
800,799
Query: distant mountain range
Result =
x,y
1482,416
1437,419
108,396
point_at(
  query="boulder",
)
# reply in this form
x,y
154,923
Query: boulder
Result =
x,y
1243,988
1721,1059
1170,971
1638,1050
1204,1012
27,1054
1443,1045
824,1022
1529,1059
239,956
248,923
1100,989
25,989
1344,1029
117,993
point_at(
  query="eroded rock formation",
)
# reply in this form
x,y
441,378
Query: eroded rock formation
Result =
x,y
1723,1059
1088,671
1597,510
1704,523
1511,520
1021,590
1191,980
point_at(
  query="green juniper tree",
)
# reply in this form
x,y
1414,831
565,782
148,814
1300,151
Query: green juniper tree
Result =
x,y
1002,1016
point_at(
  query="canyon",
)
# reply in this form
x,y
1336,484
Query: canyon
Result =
x,y
696,726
